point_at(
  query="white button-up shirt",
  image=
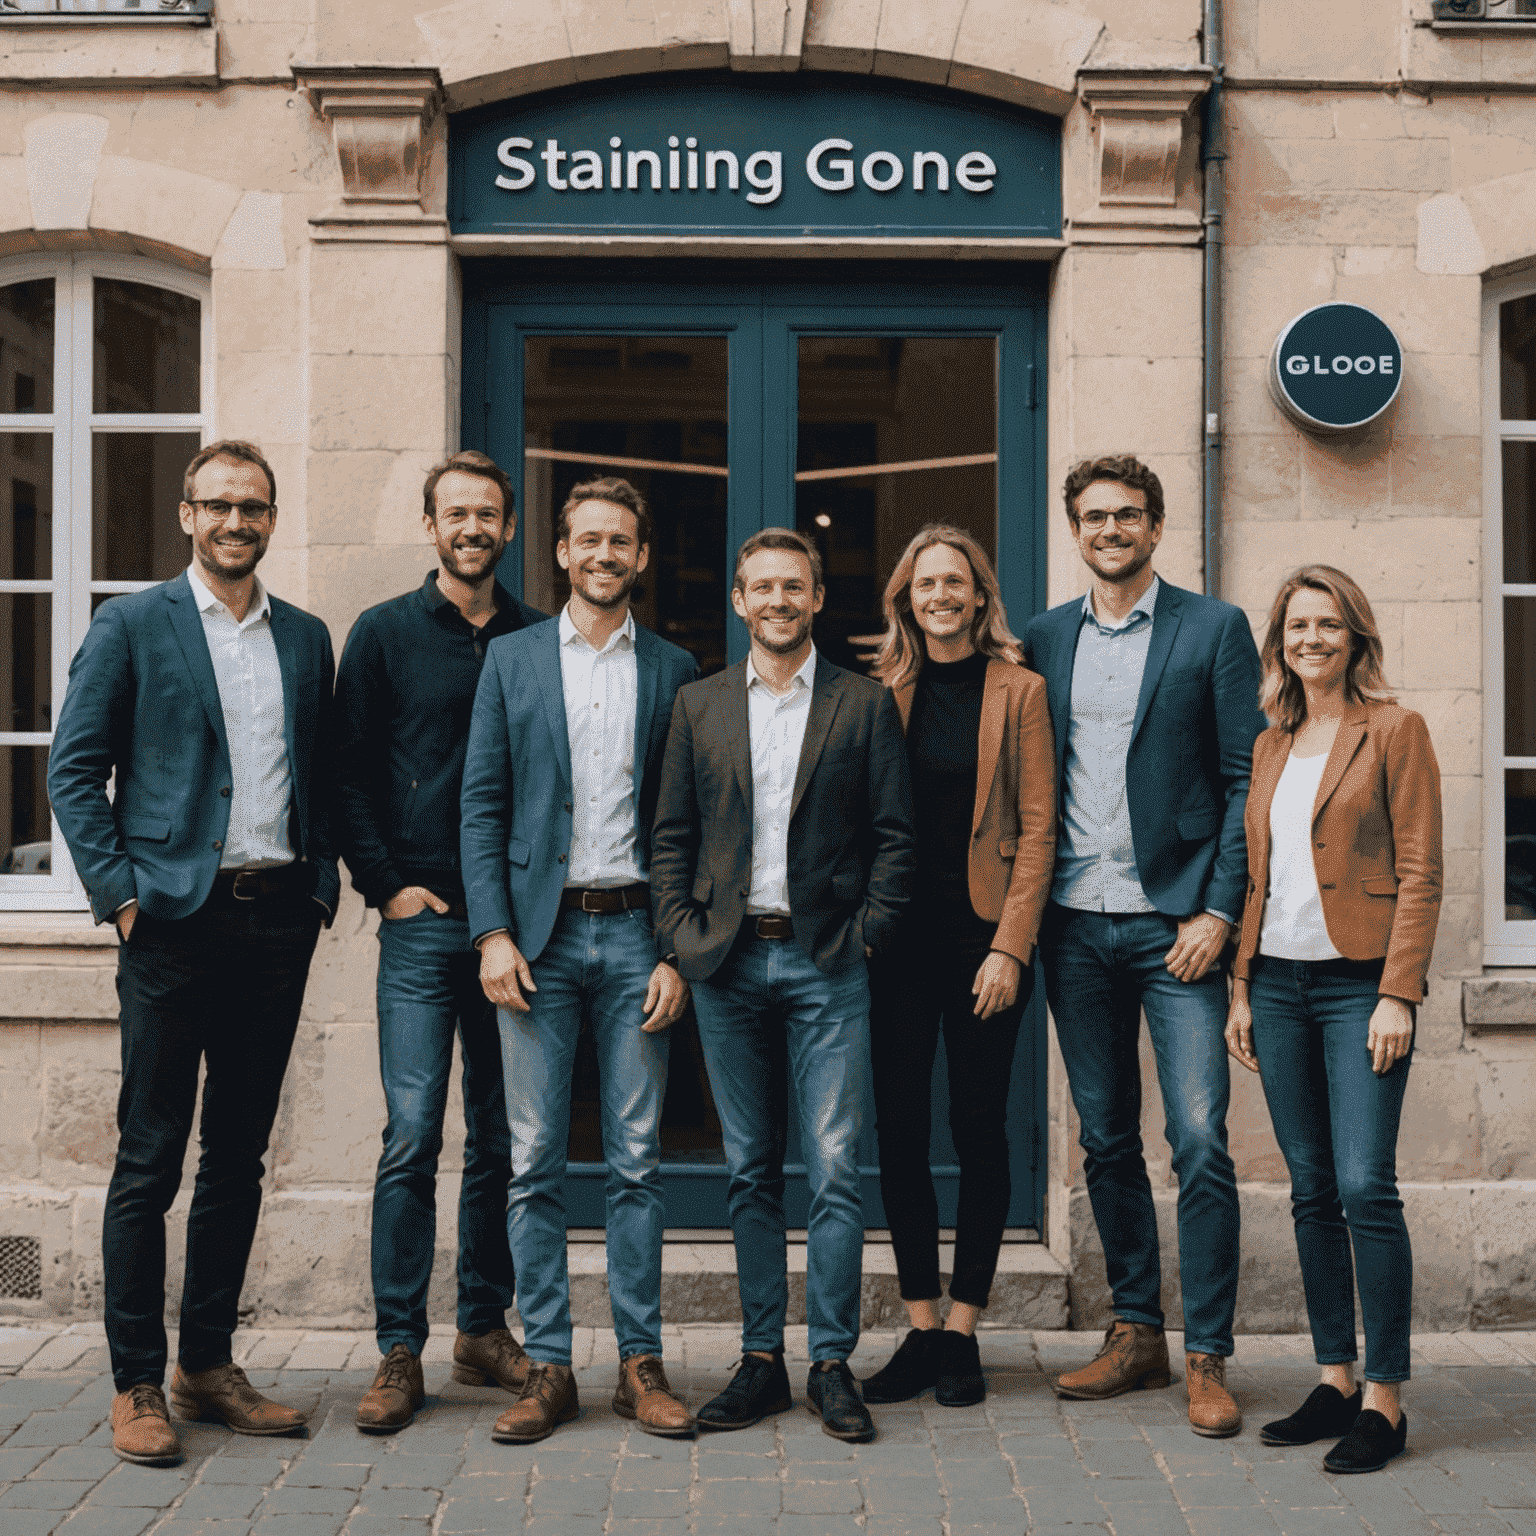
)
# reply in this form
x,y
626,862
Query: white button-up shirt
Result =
x,y
600,690
776,728
250,682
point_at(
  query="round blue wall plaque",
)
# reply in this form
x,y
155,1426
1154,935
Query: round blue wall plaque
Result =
x,y
1335,368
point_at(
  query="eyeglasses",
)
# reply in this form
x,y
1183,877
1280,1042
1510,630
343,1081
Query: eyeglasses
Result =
x,y
1125,517
250,511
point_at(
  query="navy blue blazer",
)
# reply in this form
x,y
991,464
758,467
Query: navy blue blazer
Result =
x,y
143,703
1197,716
516,823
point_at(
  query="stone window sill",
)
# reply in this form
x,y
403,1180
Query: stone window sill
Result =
x,y
1487,24
194,13
1502,1000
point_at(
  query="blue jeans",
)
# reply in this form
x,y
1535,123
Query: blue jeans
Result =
x,y
1102,969
766,986
595,967
1336,1122
429,986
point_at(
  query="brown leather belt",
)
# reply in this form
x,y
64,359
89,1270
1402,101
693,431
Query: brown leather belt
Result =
x,y
294,879
606,901
768,925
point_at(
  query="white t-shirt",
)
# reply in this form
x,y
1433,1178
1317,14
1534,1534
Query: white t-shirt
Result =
x,y
1293,926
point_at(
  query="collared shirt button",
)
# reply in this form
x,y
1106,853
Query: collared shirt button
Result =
x,y
225,792
218,847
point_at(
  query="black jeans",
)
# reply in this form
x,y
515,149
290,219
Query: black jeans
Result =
x,y
922,981
224,985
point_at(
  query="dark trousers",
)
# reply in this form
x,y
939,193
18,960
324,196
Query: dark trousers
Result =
x,y
922,983
224,985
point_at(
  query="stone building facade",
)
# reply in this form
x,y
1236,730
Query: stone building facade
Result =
x,y
282,176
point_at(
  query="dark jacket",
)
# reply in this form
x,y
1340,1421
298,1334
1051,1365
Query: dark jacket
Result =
x,y
1191,751
143,704
852,854
516,834
404,694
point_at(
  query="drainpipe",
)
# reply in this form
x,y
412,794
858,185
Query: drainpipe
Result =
x,y
1213,158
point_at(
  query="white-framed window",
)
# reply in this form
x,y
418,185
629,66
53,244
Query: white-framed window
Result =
x,y
105,382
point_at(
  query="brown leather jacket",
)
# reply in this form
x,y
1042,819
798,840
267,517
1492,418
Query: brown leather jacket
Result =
x,y
1013,828
1375,843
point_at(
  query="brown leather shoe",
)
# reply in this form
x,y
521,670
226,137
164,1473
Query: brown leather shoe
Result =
x,y
644,1395
548,1398
397,1392
223,1393
141,1427
1134,1355
490,1359
1212,1410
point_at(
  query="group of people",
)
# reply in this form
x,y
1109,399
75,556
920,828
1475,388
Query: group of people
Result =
x,y
563,828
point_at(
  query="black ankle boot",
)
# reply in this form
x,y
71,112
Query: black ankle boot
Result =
x,y
960,1383
1325,1415
1370,1445
912,1369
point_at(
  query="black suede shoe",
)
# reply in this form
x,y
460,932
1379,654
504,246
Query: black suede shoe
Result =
x,y
758,1388
831,1391
912,1369
960,1383
1369,1446
1325,1415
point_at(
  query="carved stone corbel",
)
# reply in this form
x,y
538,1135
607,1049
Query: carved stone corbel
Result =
x,y
378,116
1145,138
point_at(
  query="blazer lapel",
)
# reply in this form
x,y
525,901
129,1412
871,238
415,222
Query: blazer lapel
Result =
x,y
994,710
732,690
546,671
288,665
1346,743
187,626
1057,671
1266,776
1165,625
904,694
824,701
646,683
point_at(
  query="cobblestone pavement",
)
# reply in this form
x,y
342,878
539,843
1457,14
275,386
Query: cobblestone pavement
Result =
x,y
1022,1462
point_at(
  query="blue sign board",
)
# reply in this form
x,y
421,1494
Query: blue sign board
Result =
x,y
1336,367
767,155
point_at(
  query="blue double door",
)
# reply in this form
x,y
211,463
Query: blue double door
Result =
x,y
855,402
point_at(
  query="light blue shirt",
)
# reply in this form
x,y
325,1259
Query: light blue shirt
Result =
x,y
1095,856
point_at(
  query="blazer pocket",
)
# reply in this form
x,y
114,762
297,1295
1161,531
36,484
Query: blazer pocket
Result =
x,y
703,888
1379,885
152,829
1008,847
518,852
1196,826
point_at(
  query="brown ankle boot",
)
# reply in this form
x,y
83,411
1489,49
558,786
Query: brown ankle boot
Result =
x,y
1133,1356
396,1394
141,1427
644,1395
548,1399
490,1359
223,1393
1212,1410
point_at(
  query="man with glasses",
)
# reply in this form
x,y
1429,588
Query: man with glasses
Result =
x,y
404,694
208,701
1153,694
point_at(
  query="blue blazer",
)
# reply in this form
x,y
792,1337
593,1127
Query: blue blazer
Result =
x,y
1191,752
143,702
515,831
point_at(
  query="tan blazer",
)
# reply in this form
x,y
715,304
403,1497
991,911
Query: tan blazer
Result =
x,y
1375,843
1013,828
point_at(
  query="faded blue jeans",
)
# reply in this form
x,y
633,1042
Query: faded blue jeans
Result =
x,y
1336,1122
1102,969
766,987
429,987
595,966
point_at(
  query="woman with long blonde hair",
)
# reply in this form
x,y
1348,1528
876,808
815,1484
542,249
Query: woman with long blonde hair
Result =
x,y
982,758
1344,864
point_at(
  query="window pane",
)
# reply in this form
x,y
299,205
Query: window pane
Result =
x,y
592,403
26,846
893,405
135,491
26,346
148,348
26,506
1520,677
1517,359
1520,845
26,678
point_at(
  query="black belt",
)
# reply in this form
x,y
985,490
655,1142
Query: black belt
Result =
x,y
296,879
768,925
606,900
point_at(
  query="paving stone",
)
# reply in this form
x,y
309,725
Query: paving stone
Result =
x,y
385,1525
904,1496
32,1495
181,1524
308,1501
54,1427
407,1471
34,1522
298,1525
563,1525
741,1497
570,1496
648,1503
817,1525
230,1469
400,1503
35,1393
109,1522
219,1502
76,1463
16,1461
